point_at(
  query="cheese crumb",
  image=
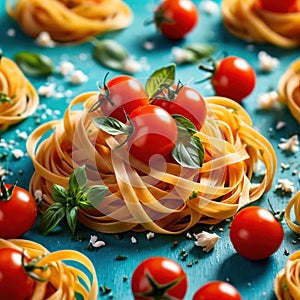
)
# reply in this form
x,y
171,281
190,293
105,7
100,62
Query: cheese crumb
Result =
x,y
78,77
150,235
133,240
285,185
181,55
209,7
206,240
291,144
44,40
47,90
280,125
95,242
17,153
267,62
268,100
65,68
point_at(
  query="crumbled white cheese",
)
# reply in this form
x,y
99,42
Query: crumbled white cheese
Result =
x,y
150,235
284,166
149,45
44,40
131,65
133,240
206,240
280,125
268,100
291,144
95,242
267,62
285,185
78,77
65,68
22,135
209,7
11,32
47,90
17,153
181,55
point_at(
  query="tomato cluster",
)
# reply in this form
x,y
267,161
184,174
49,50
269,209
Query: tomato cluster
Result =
x,y
149,121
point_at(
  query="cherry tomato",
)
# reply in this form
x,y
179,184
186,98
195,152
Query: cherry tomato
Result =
x,y
217,290
155,132
121,96
279,6
158,278
233,78
255,233
176,18
186,102
18,211
14,282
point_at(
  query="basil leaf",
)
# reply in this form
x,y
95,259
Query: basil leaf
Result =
x,y
34,64
51,218
94,196
110,54
59,193
200,51
111,125
184,124
71,216
163,76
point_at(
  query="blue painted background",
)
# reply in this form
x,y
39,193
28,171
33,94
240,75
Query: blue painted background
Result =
x,y
254,280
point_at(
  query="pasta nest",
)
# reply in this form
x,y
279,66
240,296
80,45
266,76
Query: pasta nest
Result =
x,y
70,21
158,199
66,279
287,281
22,98
249,22
289,89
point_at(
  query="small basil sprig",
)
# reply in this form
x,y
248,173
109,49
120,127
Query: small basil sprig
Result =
x,y
68,202
34,64
161,77
5,99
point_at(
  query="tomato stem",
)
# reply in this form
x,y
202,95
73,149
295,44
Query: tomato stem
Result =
x,y
6,193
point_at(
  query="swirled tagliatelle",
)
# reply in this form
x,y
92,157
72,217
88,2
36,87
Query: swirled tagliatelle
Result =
x,y
22,98
289,89
293,219
287,281
66,279
154,197
246,20
70,21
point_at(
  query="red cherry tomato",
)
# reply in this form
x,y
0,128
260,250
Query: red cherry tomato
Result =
x,y
14,282
255,233
158,278
186,102
233,78
217,290
121,96
279,6
18,212
155,132
176,18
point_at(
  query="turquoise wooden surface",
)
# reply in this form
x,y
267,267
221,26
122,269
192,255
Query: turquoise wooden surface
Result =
x,y
254,280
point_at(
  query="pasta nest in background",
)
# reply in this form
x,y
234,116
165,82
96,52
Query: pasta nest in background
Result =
x,y
70,21
66,280
247,21
22,98
157,199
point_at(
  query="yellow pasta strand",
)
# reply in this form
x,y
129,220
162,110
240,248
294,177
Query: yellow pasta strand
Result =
x,y
141,197
23,96
287,281
66,280
249,22
289,89
70,21
294,204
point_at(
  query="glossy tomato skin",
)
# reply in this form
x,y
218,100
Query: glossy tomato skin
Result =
x,y
162,271
217,290
14,282
18,214
125,93
279,6
176,18
155,132
233,78
188,103
255,233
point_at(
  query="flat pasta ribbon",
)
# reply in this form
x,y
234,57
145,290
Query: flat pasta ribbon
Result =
x,y
22,97
155,198
287,281
293,205
289,89
249,22
70,21
66,280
